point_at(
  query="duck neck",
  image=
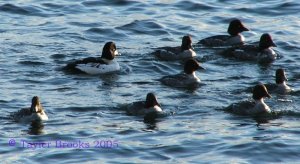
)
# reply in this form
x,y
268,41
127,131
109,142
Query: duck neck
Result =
x,y
282,83
234,34
185,47
235,39
107,60
33,109
193,76
36,109
260,101
263,47
261,106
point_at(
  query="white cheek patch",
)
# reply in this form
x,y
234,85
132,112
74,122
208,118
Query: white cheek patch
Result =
x,y
117,53
36,109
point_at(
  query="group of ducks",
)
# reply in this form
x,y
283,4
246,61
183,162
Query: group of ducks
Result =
x,y
234,47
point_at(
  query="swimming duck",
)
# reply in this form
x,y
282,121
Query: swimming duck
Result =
x,y
34,113
96,65
262,53
183,52
186,79
281,79
281,87
151,105
234,38
253,108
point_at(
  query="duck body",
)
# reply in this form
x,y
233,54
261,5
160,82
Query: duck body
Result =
x,y
138,109
149,108
262,53
250,53
282,88
24,115
234,38
181,80
187,78
101,65
249,108
182,52
174,53
96,66
223,40
256,107
34,113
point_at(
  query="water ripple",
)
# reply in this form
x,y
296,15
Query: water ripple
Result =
x,y
92,3
10,8
147,27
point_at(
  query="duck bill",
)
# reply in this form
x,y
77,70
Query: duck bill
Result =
x,y
273,44
243,28
200,67
268,95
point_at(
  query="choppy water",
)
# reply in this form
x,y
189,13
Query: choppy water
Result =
x,y
39,37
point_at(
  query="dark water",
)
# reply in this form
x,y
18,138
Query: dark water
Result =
x,y
39,37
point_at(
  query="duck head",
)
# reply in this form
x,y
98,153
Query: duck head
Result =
x,y
151,101
266,41
259,92
36,106
109,51
235,27
186,43
191,66
280,76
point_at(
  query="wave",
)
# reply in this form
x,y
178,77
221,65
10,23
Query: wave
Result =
x,y
27,10
147,27
193,6
272,9
10,8
109,2
109,32
33,63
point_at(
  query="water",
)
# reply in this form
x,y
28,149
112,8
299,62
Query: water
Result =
x,y
39,37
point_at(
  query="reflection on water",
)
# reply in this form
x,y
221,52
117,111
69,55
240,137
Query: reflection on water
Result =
x,y
36,128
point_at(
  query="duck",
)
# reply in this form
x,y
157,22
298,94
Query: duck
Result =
x,y
183,52
262,53
281,80
280,87
149,106
187,78
95,65
234,38
256,107
34,113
